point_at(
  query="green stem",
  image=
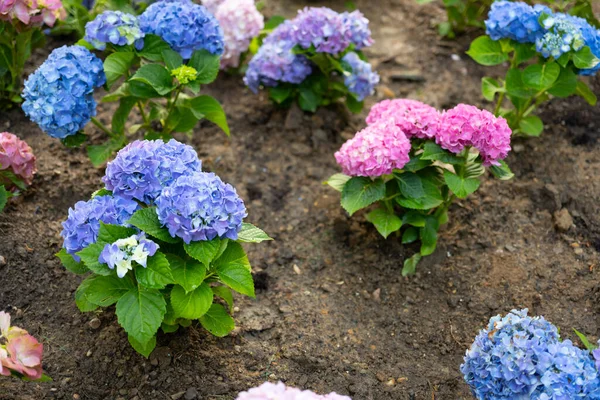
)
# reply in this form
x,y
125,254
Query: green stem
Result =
x,y
142,113
499,104
172,106
102,127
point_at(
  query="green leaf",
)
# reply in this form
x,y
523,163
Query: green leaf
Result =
x,y
234,269
172,59
166,328
413,218
355,106
410,235
251,234
156,76
75,140
541,76
410,264
584,91
523,52
433,198
489,88
217,321
274,22
206,64
429,236
122,114
90,255
153,47
141,90
4,199
117,65
140,312
181,119
566,84
204,250
101,153
461,187
585,59
585,341
502,171
410,185
146,220
209,108
432,151
225,293
280,93
515,86
191,305
360,192
145,348
67,260
337,181
308,100
157,273
105,291
187,273
111,233
385,221
81,296
416,164
486,51
118,93
531,125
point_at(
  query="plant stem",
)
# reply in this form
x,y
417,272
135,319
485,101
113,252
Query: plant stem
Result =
x,y
142,113
499,104
172,106
102,127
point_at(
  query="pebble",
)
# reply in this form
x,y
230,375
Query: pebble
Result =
x,y
191,394
177,396
95,323
563,220
2,261
377,295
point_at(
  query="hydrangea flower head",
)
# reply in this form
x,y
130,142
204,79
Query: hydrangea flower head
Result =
x,y
515,20
115,27
358,28
416,119
143,168
562,35
16,156
322,28
377,150
58,95
591,38
32,12
83,223
22,352
212,5
201,207
362,80
272,391
123,252
184,74
185,26
6,6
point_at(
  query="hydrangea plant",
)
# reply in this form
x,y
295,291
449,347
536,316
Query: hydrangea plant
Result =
x,y
162,241
315,59
17,167
21,23
155,63
546,52
269,391
412,162
523,357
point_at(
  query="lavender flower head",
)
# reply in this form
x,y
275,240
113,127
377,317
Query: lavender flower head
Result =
x,y
362,80
562,35
114,27
123,252
201,207
358,28
142,169
83,223
272,391
515,20
185,26
322,28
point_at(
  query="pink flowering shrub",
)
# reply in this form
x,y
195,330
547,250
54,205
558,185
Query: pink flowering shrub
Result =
x,y
17,166
413,161
272,391
32,12
20,353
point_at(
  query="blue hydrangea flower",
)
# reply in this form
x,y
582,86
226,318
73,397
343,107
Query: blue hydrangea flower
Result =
x,y
515,20
362,80
123,252
562,34
201,207
185,26
114,27
143,168
83,223
358,28
591,38
59,94
322,28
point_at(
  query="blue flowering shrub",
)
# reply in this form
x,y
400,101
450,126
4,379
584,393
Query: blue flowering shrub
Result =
x,y
154,66
546,52
523,357
162,241
315,59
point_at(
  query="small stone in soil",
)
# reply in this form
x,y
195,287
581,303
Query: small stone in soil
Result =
x,y
191,394
95,323
563,220
2,261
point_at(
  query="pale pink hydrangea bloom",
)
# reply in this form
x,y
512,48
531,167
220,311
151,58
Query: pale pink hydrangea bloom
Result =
x,y
466,125
416,119
32,12
6,6
17,156
22,352
212,5
377,150
272,391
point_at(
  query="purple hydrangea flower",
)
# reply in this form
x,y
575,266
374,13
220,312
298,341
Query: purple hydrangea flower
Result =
x,y
322,28
362,80
515,20
121,253
83,223
201,207
358,27
114,27
272,391
185,26
142,169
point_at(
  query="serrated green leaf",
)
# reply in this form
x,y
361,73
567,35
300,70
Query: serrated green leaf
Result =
x,y
146,220
584,91
489,88
541,76
486,51
117,65
337,181
410,235
461,187
585,59
433,198
308,100
69,262
217,321
410,185
410,265
565,85
251,234
204,251
531,125
191,305
385,222
360,192
206,64
145,348
428,236
107,290
157,273
234,269
413,218
172,59
280,93
187,273
502,171
209,108
153,47
90,255
111,233
140,312
432,151
225,293
156,76
81,296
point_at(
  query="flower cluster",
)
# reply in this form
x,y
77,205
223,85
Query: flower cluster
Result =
x,y
121,253
185,26
268,391
201,207
361,81
322,28
518,356
17,157
515,20
357,29
114,27
59,94
562,35
32,12
413,117
20,352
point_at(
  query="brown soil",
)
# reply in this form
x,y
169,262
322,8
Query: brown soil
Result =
x,y
332,312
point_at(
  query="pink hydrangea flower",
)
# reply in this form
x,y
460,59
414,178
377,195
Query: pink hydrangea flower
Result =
x,y
377,150
466,125
6,6
34,12
416,119
22,352
17,156
272,391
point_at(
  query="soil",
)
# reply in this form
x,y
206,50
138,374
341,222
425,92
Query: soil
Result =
x,y
332,312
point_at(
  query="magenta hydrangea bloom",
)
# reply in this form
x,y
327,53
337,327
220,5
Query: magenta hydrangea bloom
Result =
x,y
278,391
466,125
377,150
416,119
16,156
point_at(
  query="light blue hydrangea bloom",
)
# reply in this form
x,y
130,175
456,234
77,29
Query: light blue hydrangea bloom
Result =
x,y
114,27
362,80
120,254
358,29
515,20
562,35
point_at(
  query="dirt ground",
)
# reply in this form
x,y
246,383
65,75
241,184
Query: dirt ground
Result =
x,y
332,312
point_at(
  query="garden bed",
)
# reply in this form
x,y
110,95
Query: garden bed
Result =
x,y
332,312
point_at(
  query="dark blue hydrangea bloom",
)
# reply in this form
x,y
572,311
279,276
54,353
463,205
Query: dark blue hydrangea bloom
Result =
x,y
185,26
358,28
322,28
82,226
114,27
201,207
515,20
362,80
143,168
58,95
562,35
591,38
